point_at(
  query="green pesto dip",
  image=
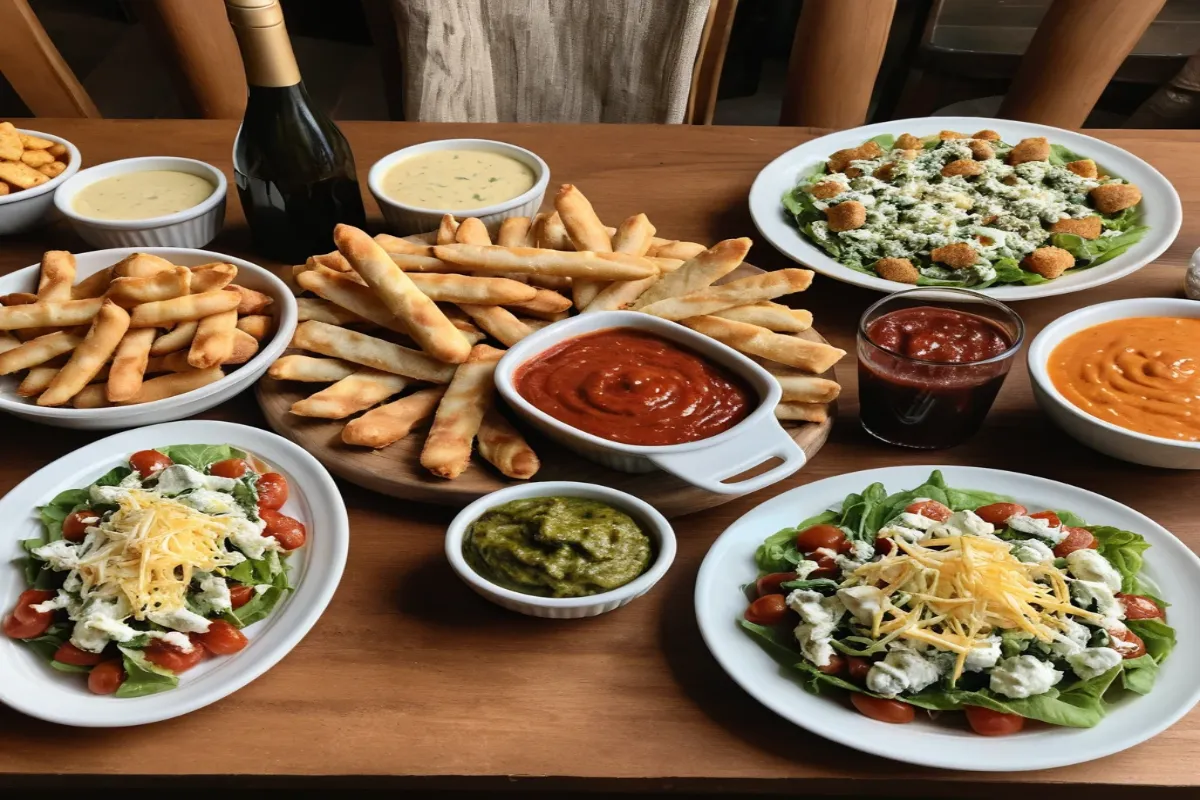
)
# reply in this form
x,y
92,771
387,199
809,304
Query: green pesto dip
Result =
x,y
557,547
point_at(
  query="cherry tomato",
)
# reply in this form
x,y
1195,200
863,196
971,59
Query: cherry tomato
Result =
x,y
882,710
106,677
1077,539
75,526
239,595
772,584
1127,643
885,546
170,657
18,629
826,567
931,509
229,468
68,653
272,491
222,639
148,462
769,610
998,513
829,537
858,667
836,665
1139,607
29,598
986,722
289,532
1049,516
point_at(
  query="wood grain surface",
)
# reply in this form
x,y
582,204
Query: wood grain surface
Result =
x,y
396,470
411,679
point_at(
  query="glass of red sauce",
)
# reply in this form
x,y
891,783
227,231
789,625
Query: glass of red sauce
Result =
x,y
930,363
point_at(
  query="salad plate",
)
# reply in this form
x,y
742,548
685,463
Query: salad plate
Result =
x,y
1144,231
1118,708
274,617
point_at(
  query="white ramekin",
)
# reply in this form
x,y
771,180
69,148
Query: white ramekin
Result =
x,y
653,523
1122,443
193,227
706,463
403,220
171,408
20,211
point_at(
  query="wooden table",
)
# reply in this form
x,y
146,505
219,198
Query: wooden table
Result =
x,y
412,680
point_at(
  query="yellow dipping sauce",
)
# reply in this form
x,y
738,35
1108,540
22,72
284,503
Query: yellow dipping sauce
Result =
x,y
142,195
457,180
1141,373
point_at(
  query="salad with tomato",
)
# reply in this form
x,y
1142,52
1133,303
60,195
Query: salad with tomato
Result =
x,y
155,566
951,599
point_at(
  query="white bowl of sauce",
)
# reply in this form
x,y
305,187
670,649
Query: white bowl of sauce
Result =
x,y
157,201
480,178
1124,378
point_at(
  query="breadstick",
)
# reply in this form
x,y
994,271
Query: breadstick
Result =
x,y
58,273
353,297
335,261
498,322
514,232
129,364
213,343
426,323
244,348
394,245
37,351
96,348
164,285
140,265
447,450
36,380
391,422
552,234
93,285
309,369
252,302
814,357
598,266
766,286
505,449
448,230
472,231
698,273
175,384
545,304
211,277
58,315
177,338
329,340
323,310
802,412
257,325
586,232
183,309
354,393
8,342
466,289
681,250
772,316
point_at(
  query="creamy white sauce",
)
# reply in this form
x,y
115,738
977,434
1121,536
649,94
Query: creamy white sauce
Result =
x,y
457,180
142,195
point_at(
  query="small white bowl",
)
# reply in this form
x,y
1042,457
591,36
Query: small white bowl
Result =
x,y
22,210
403,219
653,523
170,408
705,463
1118,442
192,227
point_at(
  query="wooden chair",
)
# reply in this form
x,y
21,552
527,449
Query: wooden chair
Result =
x,y
35,68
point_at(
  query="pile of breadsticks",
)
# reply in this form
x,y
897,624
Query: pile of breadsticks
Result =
x,y
381,316
94,343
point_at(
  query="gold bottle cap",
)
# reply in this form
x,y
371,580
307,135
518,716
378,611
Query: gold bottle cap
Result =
x,y
262,36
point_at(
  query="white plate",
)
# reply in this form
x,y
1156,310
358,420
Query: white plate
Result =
x,y
730,564
188,404
32,687
1161,208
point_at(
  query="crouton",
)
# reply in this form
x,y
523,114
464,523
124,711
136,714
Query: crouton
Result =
x,y
908,155
1049,262
900,270
825,190
1113,197
959,255
946,136
989,219
981,150
906,141
840,161
1085,168
846,216
1088,227
963,166
1034,149
885,172
987,135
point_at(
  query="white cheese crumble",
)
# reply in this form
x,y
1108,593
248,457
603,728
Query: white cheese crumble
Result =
x,y
902,670
1019,677
1093,662
1089,565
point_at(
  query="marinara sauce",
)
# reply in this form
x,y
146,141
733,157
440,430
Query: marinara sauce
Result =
x,y
928,375
633,387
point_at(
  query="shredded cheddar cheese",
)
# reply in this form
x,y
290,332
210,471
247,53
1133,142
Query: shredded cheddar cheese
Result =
x,y
149,550
961,588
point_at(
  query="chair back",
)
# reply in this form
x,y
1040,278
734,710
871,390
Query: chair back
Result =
x,y
35,69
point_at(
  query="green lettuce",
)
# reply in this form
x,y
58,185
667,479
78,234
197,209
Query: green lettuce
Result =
x,y
261,605
142,677
1093,252
200,456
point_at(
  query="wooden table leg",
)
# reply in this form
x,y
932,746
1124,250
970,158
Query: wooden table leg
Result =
x,y
35,68
835,59
197,37
1076,50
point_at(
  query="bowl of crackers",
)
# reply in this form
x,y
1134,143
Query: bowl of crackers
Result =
x,y
32,166
123,338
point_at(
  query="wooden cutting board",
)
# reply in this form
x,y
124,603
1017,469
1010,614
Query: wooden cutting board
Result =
x,y
396,470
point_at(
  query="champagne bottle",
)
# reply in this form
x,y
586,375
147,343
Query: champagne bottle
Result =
x,y
293,167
